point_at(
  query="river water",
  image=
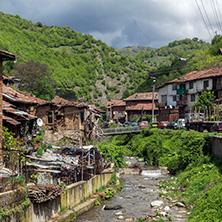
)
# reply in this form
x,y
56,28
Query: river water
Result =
x,y
135,198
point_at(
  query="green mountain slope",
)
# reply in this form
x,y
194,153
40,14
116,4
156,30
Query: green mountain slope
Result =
x,y
81,67
165,55
197,55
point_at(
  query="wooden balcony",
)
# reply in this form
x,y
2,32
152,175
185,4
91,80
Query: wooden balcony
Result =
x,y
183,101
160,105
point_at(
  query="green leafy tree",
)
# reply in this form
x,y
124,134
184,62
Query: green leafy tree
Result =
x,y
206,99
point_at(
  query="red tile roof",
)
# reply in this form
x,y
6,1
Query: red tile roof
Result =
x,y
141,106
18,96
142,96
195,75
7,104
19,113
118,103
11,121
97,109
58,101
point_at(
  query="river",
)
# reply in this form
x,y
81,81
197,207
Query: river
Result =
x,y
135,198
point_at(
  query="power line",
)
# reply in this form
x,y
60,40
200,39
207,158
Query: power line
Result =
x,y
203,19
207,16
220,20
215,14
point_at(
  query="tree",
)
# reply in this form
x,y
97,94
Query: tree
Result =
x,y
35,78
206,99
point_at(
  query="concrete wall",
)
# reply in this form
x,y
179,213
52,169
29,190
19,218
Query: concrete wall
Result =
x,y
216,146
72,196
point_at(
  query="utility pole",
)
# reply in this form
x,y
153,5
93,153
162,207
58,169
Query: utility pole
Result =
x,y
154,80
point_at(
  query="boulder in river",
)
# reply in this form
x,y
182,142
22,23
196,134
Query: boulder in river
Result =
x,y
117,207
156,203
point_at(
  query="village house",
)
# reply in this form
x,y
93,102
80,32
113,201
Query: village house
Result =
x,y
140,104
67,119
97,110
181,93
116,110
18,111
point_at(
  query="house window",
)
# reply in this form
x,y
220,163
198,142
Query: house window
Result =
x,y
49,117
192,97
180,98
174,98
174,87
190,85
205,83
163,98
120,113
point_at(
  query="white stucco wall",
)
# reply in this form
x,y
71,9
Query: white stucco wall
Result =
x,y
197,87
169,92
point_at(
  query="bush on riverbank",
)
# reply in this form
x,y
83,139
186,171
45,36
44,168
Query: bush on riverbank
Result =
x,y
173,149
198,180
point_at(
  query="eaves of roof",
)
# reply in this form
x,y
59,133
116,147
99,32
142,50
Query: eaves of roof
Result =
x,y
141,107
11,120
142,96
196,75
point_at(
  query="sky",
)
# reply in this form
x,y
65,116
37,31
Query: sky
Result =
x,y
122,23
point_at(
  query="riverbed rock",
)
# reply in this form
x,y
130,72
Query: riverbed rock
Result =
x,y
167,208
164,170
120,217
163,214
131,171
156,203
118,213
117,207
179,204
129,219
141,186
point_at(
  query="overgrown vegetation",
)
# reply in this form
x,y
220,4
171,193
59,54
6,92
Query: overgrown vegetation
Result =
x,y
198,180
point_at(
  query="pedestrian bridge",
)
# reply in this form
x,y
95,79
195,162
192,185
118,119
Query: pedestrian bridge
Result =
x,y
121,130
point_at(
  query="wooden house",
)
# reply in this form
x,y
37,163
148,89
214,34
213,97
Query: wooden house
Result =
x,y
116,110
67,119
140,104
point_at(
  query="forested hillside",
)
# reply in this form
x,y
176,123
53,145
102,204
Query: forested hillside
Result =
x,y
166,54
193,55
77,66
59,61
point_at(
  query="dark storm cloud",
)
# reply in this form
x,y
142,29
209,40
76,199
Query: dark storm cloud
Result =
x,y
119,23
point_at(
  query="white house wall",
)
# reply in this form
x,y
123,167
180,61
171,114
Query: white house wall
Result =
x,y
197,88
169,92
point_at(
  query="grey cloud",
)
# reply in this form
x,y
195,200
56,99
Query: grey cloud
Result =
x,y
118,22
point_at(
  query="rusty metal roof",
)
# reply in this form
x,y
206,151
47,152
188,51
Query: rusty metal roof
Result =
x,y
142,96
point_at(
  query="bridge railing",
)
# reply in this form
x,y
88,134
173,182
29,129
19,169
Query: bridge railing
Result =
x,y
121,129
